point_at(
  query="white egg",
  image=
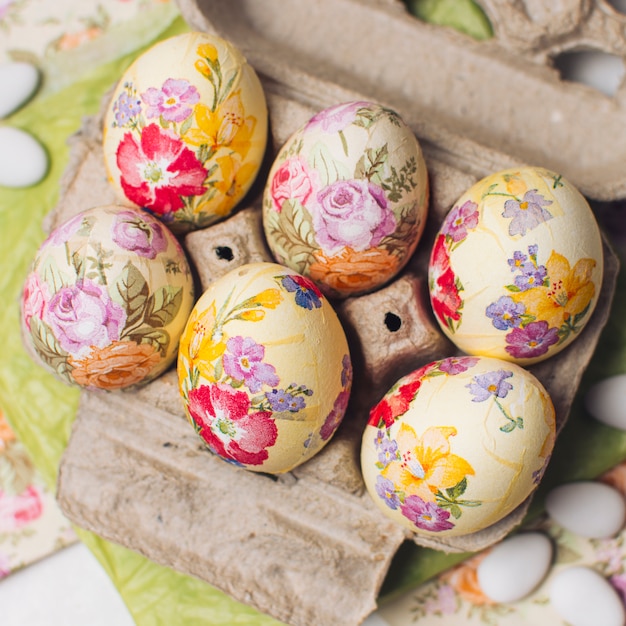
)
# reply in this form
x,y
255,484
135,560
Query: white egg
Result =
x,y
582,597
515,567
18,82
23,161
606,401
589,509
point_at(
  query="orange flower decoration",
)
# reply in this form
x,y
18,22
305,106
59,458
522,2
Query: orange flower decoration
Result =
x,y
6,433
427,464
119,365
464,580
354,272
568,293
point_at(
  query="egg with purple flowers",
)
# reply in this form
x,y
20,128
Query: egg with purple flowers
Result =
x,y
346,198
106,299
516,267
264,368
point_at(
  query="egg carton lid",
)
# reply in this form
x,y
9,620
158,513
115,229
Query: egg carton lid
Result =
x,y
481,106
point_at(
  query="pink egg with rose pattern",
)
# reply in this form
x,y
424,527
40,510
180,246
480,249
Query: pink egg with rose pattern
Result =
x,y
106,300
516,268
264,368
456,445
346,198
186,129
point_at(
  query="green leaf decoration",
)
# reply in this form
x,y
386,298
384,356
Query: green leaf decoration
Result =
x,y
455,511
48,348
371,165
293,234
159,338
330,170
186,125
163,306
133,291
508,427
458,489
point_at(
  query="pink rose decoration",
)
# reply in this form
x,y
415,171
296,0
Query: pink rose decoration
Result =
x,y
82,316
159,171
292,181
173,102
63,233
351,213
336,118
34,298
16,511
145,238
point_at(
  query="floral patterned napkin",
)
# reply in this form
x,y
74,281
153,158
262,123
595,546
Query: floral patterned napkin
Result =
x,y
31,524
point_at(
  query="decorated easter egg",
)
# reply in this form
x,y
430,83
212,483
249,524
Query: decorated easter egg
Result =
x,y
458,444
107,299
516,268
346,198
264,368
186,129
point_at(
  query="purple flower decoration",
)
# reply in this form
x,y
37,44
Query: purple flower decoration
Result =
x,y
387,452
336,118
457,365
346,372
83,316
351,213
380,438
484,386
519,258
460,220
63,233
308,296
505,313
426,515
618,582
126,107
386,490
527,213
173,102
281,400
245,363
333,419
131,232
531,276
531,341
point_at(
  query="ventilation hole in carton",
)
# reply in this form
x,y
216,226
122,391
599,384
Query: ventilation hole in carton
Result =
x,y
618,5
224,253
392,321
594,68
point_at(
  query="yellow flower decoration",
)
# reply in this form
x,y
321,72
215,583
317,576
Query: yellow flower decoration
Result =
x,y
227,126
515,184
569,292
427,465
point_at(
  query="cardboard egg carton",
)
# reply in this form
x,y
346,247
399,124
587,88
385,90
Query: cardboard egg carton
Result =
x,y
310,547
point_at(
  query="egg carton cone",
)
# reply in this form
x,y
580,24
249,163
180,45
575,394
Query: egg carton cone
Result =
x,y
309,546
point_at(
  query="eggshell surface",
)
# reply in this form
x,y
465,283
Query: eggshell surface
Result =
x,y
107,298
346,198
186,129
457,445
264,368
516,268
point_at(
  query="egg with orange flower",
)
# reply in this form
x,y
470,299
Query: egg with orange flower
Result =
x,y
457,445
516,268
346,199
185,131
107,298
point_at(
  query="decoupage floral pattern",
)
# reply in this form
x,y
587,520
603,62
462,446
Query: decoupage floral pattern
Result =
x,y
422,461
347,218
233,392
188,147
551,292
91,307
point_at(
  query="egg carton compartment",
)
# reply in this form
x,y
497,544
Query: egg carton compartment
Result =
x,y
308,546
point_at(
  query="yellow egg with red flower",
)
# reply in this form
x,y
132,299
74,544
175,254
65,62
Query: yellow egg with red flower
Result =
x,y
185,131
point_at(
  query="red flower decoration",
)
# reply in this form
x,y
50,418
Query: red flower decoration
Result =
x,y
159,170
394,405
225,422
444,294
